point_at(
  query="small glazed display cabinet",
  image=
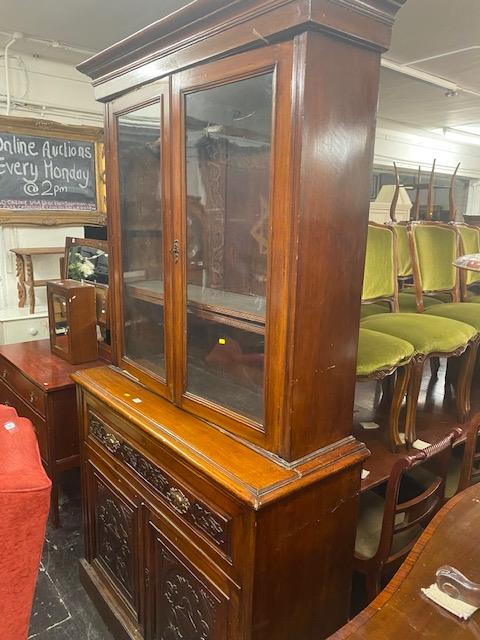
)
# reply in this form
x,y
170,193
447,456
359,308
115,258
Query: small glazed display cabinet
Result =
x,y
220,476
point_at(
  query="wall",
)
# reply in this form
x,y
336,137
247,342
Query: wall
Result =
x,y
410,147
54,91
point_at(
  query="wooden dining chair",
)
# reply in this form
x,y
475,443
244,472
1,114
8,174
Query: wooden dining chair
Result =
x,y
431,337
464,469
388,526
380,356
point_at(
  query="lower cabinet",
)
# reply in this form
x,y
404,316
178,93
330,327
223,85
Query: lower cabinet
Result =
x,y
114,549
183,602
202,538
158,592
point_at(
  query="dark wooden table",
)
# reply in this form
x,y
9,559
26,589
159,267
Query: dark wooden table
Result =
x,y
401,611
38,384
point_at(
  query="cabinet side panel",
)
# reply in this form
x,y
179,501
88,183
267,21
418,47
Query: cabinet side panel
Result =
x,y
336,135
303,564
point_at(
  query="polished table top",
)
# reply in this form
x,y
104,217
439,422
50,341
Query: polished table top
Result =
x,y
471,262
401,611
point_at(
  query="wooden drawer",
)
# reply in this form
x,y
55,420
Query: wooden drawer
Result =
x,y
10,398
29,392
181,497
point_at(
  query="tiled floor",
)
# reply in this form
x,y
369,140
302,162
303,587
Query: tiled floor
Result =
x,y
61,608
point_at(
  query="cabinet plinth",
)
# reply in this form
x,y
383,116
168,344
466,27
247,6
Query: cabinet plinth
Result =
x,y
239,141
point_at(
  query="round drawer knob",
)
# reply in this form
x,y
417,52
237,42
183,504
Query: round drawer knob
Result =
x,y
33,398
33,331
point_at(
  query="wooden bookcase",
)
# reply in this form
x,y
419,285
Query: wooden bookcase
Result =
x,y
220,472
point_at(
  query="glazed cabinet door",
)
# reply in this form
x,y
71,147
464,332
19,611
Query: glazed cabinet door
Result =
x,y
183,602
232,137
113,520
140,202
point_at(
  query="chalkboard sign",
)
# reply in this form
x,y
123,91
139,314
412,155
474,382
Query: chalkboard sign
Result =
x,y
50,173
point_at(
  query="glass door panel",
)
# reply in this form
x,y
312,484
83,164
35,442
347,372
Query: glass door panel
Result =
x,y
139,158
228,152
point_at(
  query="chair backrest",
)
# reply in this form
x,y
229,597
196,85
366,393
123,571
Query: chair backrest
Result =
x,y
434,247
469,243
380,273
470,472
401,515
404,259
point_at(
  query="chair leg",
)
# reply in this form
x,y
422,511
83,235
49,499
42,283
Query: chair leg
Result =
x,y
372,580
416,372
464,382
434,366
401,384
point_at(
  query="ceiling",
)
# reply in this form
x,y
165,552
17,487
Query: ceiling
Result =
x,y
423,29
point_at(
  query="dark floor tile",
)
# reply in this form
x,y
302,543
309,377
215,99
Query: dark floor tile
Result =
x,y
48,606
61,608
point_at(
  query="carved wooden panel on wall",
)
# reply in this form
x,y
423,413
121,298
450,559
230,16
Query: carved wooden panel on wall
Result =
x,y
114,536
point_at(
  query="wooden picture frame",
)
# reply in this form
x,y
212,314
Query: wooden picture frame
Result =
x,y
10,165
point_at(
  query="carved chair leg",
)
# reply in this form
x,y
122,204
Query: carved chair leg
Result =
x,y
416,372
464,382
400,389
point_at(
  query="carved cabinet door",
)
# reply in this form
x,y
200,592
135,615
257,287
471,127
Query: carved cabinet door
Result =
x,y
183,603
113,539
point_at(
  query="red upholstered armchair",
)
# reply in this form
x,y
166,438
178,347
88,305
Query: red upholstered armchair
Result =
x,y
24,505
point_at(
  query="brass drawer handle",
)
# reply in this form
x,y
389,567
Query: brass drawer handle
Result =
x,y
178,500
4,374
33,398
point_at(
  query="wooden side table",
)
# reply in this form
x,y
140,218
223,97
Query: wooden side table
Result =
x,y
26,282
38,384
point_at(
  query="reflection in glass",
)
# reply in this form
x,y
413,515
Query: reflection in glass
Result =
x,y
142,242
61,322
228,144
87,263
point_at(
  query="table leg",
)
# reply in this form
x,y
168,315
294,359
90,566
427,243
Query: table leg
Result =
x,y
29,282
22,292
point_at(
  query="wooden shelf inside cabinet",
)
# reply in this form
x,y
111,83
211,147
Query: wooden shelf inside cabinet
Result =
x,y
212,303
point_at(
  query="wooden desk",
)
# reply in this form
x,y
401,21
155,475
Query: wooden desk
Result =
x,y
25,278
401,611
38,384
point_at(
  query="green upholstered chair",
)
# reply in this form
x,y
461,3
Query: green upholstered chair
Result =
x,y
431,337
469,243
388,525
379,356
434,248
406,297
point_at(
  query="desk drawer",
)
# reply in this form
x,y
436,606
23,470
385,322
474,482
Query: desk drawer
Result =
x,y
10,398
29,392
194,505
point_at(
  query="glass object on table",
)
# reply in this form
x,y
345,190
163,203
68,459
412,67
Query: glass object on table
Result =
x,y
139,153
228,153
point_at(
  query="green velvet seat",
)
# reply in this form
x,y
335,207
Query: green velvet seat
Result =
x,y
372,309
426,334
380,352
461,311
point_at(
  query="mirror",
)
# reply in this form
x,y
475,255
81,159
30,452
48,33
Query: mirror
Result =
x,y
87,260
61,322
